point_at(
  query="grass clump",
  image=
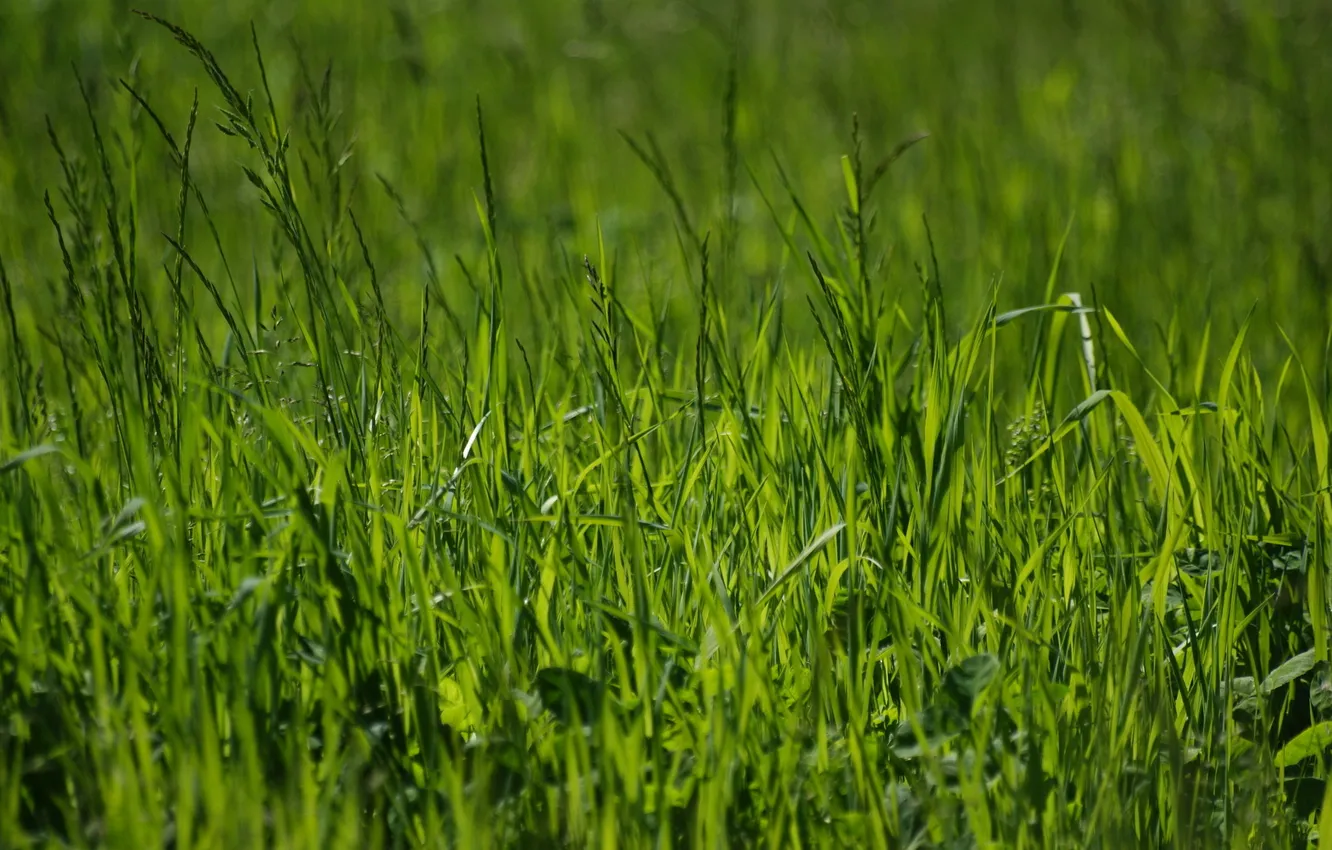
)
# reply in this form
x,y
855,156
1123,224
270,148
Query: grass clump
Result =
x,y
719,528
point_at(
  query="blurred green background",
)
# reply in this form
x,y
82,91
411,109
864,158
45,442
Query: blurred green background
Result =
x,y
1188,142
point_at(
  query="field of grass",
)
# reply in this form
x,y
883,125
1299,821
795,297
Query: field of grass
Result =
x,y
781,423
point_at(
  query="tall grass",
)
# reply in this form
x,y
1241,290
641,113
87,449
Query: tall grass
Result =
x,y
726,529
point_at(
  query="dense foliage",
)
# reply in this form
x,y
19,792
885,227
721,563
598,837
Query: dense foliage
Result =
x,y
762,423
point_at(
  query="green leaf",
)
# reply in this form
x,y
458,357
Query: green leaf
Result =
x,y
568,694
1084,407
1232,358
453,708
1004,318
930,730
1320,692
1245,692
1148,449
1289,671
809,551
24,456
1312,741
245,591
852,193
968,679
1124,340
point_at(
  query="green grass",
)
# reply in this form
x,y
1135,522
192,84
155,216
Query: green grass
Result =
x,y
636,424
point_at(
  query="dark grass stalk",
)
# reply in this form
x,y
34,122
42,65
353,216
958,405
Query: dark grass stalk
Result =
x,y
17,356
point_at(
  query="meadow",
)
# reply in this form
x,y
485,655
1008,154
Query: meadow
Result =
x,y
764,423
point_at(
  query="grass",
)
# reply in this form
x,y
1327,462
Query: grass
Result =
x,y
648,452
